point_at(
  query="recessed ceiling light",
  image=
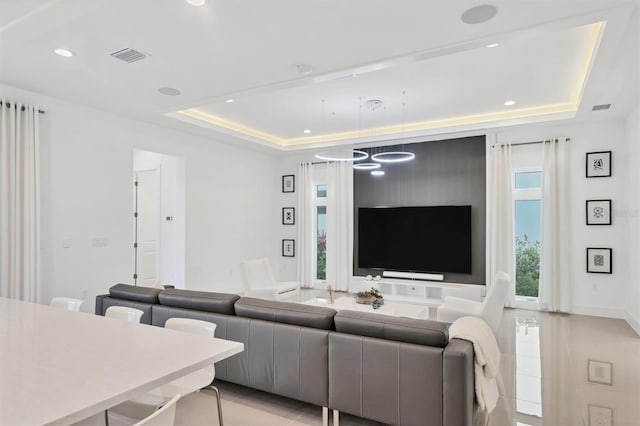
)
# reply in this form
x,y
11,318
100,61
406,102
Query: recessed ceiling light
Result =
x,y
169,91
493,45
196,2
509,103
63,52
229,101
307,131
479,14
377,173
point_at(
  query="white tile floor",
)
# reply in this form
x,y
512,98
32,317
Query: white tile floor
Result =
x,y
544,373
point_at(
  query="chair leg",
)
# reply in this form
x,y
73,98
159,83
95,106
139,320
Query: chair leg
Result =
x,y
219,402
325,416
106,418
336,418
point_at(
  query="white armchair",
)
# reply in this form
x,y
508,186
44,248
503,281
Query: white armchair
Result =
x,y
490,309
260,282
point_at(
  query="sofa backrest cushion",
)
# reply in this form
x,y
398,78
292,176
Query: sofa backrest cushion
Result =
x,y
399,329
219,303
134,294
286,313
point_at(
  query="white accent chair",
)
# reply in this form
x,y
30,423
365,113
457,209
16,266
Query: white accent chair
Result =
x,y
124,313
193,382
260,282
165,416
66,303
490,309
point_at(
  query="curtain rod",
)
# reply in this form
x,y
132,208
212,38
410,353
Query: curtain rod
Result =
x,y
8,104
533,142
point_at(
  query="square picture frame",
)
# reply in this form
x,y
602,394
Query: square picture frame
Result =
x,y
288,248
599,260
288,216
598,164
289,183
598,212
600,372
600,416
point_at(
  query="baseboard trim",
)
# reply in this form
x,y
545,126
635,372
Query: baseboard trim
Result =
x,y
633,322
597,311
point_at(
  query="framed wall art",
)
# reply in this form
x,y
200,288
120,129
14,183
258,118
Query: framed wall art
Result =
x,y
288,248
599,372
598,164
288,216
289,183
598,212
599,260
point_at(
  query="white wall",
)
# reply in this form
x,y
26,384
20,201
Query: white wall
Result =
x,y
632,296
593,294
171,256
86,170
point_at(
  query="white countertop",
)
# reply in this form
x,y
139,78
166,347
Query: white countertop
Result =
x,y
58,367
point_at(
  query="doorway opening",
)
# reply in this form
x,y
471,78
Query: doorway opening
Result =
x,y
158,219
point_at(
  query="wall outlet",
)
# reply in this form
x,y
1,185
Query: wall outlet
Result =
x,y
99,242
66,243
85,294
596,287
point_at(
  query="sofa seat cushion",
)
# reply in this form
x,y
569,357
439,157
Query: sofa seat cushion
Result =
x,y
220,303
286,313
134,294
399,329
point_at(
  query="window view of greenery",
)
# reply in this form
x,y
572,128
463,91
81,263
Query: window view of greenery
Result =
x,y
321,242
527,247
527,267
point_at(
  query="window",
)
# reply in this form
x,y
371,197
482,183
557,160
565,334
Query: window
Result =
x,y
320,247
527,195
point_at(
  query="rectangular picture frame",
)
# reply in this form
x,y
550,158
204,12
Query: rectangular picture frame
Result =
x,y
599,260
598,212
600,416
288,248
289,183
598,164
600,372
288,216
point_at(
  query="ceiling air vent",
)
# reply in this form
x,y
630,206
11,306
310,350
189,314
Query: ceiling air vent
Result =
x,y
601,107
128,55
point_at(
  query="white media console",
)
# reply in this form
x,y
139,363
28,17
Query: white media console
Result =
x,y
414,291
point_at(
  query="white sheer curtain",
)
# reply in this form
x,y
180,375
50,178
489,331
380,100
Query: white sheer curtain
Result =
x,y
304,219
501,218
555,262
19,201
339,225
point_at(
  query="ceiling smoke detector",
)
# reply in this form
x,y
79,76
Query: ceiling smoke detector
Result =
x,y
601,107
373,104
479,14
129,55
303,69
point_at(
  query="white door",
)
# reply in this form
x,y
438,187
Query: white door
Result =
x,y
148,229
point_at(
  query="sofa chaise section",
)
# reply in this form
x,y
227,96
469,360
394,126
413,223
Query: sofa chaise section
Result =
x,y
399,371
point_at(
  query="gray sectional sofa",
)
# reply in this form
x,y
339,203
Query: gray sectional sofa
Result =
x,y
394,370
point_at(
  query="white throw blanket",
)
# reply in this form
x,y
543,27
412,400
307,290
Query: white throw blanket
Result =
x,y
487,357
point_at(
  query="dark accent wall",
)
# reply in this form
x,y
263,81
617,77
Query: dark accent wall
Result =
x,y
448,172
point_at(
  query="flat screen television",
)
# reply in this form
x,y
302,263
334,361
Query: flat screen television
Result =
x,y
433,239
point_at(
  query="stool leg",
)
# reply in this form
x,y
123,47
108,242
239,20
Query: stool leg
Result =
x,y
325,416
336,418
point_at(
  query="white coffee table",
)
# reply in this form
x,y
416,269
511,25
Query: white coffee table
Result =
x,y
396,309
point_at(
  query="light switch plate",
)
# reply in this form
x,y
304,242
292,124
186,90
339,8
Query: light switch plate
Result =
x,y
66,243
99,242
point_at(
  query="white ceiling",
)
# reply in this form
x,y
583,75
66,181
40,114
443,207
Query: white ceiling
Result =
x,y
247,50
